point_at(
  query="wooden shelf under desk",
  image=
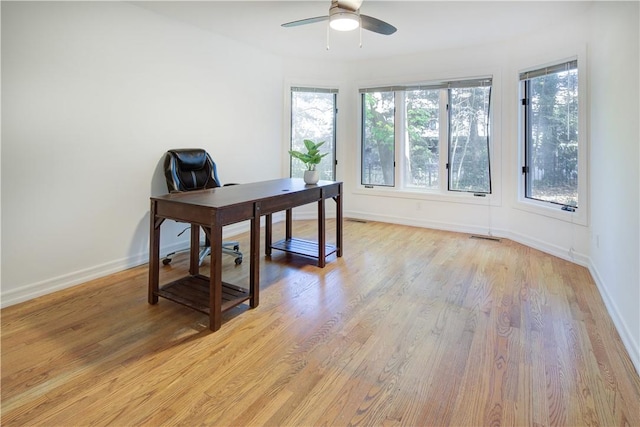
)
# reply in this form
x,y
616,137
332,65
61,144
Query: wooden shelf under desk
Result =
x,y
302,247
193,292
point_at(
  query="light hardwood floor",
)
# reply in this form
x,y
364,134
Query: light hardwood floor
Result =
x,y
411,327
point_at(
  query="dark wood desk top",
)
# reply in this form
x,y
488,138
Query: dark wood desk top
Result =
x,y
234,200
242,193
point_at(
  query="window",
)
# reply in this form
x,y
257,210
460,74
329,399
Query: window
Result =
x,y
401,132
550,117
423,139
469,166
378,138
313,116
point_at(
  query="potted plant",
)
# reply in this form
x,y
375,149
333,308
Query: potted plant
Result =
x,y
311,158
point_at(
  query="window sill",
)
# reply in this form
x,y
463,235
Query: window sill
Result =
x,y
552,211
449,197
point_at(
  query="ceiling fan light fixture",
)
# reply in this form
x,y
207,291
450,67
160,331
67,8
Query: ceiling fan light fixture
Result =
x,y
344,21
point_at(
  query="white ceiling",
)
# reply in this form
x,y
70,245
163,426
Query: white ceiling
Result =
x,y
422,25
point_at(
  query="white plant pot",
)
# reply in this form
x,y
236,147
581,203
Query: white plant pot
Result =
x,y
311,177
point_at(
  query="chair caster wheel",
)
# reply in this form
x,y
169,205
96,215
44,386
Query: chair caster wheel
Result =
x,y
238,261
236,248
166,261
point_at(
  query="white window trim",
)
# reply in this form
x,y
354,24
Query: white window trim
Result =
x,y
450,196
442,194
286,134
581,214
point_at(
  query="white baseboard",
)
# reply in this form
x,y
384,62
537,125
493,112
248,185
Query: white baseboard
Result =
x,y
560,252
633,348
461,228
34,290
44,287
557,251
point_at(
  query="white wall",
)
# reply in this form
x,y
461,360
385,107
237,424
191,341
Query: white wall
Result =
x,y
615,141
93,94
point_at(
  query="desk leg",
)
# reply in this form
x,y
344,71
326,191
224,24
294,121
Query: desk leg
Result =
x,y
215,278
268,229
321,234
288,227
254,268
194,256
154,254
339,221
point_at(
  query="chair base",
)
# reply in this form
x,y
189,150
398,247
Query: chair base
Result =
x,y
229,248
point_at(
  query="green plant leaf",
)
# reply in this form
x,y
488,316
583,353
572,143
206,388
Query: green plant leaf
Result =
x,y
312,157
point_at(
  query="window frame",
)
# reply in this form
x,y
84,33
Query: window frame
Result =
x,y
310,88
442,193
527,114
489,143
395,143
579,215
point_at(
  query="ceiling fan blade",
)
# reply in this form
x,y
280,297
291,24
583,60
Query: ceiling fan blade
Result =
x,y
306,21
376,25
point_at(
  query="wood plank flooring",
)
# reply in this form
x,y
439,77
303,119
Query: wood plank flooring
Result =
x,y
410,327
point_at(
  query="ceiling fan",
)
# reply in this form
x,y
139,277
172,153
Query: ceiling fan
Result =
x,y
344,15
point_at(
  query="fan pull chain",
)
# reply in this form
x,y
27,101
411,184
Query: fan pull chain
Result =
x,y
360,28
327,36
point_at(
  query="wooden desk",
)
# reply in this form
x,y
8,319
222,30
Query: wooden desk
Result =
x,y
212,209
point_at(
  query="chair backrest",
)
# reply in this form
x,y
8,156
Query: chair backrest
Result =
x,y
188,169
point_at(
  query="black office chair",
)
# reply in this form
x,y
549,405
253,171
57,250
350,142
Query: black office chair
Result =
x,y
189,169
